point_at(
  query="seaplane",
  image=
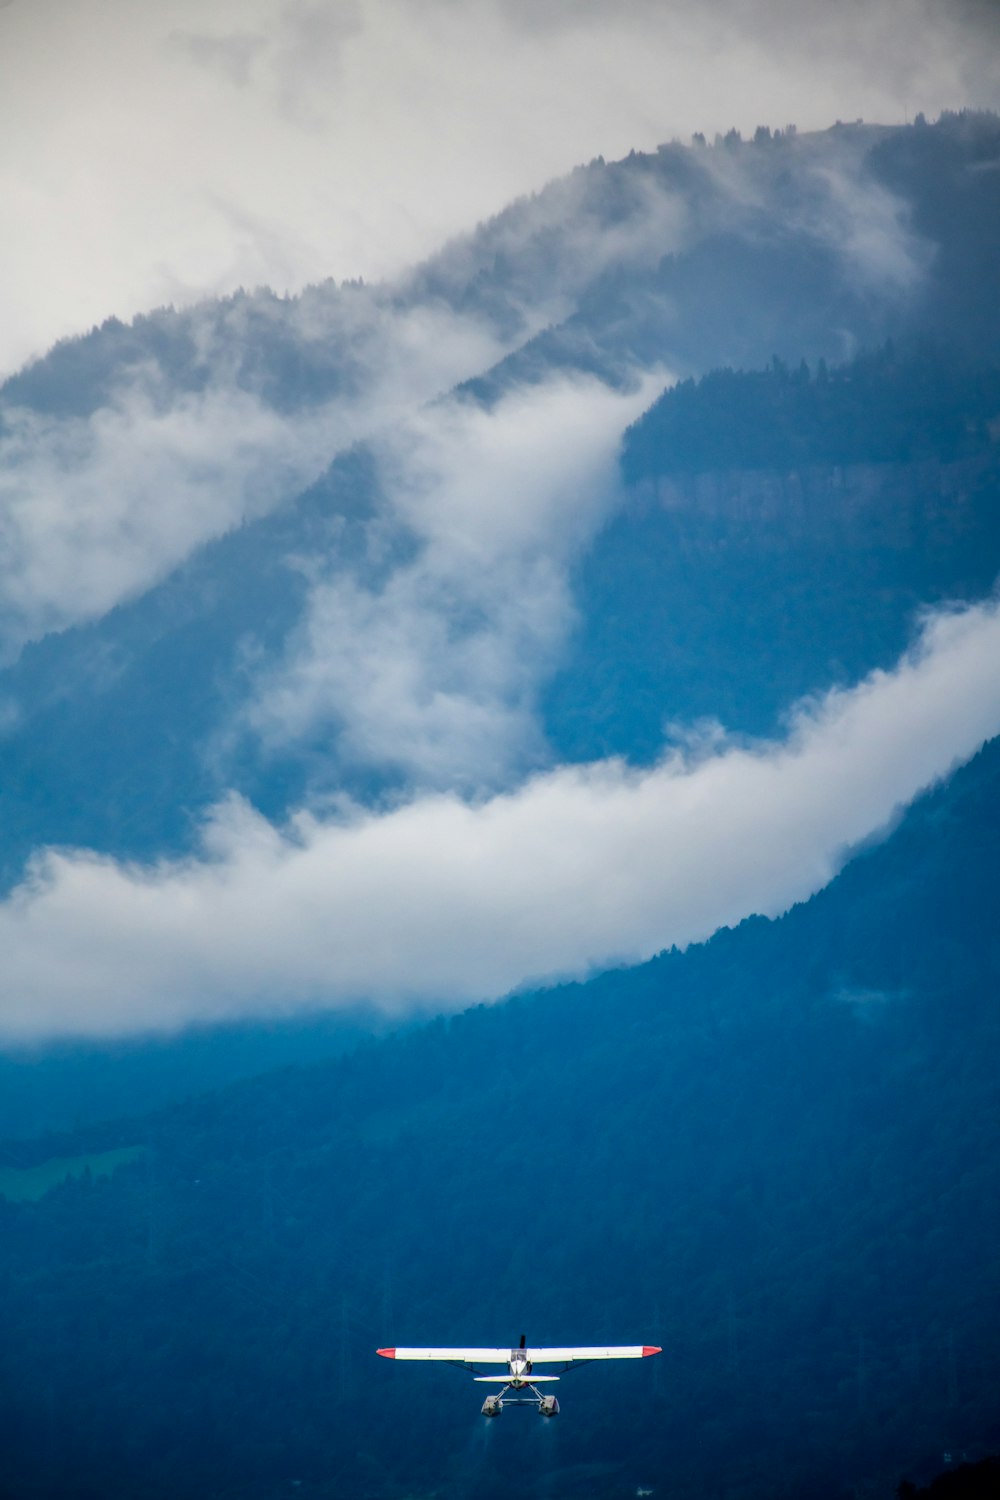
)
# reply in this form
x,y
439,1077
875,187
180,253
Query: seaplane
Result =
x,y
521,1375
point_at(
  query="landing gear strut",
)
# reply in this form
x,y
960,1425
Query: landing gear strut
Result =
x,y
546,1406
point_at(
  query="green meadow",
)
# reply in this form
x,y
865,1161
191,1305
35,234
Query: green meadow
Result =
x,y
27,1184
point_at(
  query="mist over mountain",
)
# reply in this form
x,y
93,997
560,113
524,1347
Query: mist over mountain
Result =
x,y
444,538
237,418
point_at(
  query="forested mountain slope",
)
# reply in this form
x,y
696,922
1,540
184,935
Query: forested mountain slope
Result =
x,y
775,1155
782,528
780,532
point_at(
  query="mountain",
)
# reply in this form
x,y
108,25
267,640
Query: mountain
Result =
x,y
756,535
779,530
774,1154
248,437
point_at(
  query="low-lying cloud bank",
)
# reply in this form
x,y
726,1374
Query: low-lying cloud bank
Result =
x,y
442,902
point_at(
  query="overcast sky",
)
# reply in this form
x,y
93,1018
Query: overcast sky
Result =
x,y
157,153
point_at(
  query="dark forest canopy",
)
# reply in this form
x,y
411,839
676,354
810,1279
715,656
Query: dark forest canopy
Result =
x,y
882,407
775,1155
967,1481
781,530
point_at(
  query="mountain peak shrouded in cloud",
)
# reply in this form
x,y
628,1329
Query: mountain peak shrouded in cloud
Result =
x,y
659,265
384,629
158,141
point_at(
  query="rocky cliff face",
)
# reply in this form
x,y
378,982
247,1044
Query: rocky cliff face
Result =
x,y
727,594
927,505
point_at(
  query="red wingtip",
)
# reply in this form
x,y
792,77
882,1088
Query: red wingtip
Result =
x,y
386,1353
646,1350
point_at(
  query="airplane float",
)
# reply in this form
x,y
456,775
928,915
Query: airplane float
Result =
x,y
520,1364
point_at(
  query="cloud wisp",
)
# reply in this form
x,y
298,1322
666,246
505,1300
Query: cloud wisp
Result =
x,y
96,509
444,901
428,666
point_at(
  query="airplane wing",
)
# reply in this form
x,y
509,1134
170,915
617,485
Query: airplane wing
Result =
x,y
568,1356
453,1356
571,1356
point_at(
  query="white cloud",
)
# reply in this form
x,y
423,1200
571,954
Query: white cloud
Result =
x,y
93,510
871,228
96,509
444,901
836,203
162,152
294,55
431,666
